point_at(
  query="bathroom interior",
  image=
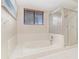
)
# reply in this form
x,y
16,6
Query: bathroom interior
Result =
x,y
39,29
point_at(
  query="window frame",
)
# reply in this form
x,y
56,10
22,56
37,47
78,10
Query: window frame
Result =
x,y
34,11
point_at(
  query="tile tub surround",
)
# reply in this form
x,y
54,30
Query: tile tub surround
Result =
x,y
27,33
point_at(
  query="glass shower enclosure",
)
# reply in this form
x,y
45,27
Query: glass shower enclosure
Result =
x,y
64,22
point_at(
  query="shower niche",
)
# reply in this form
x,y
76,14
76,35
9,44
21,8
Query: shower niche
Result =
x,y
64,22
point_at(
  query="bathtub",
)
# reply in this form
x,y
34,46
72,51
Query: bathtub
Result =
x,y
39,46
69,52
56,41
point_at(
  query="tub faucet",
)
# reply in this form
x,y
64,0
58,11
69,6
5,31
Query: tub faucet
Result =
x,y
51,40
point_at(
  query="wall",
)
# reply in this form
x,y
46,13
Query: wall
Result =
x,y
28,33
8,31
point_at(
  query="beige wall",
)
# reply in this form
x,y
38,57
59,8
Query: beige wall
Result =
x,y
31,32
8,31
27,33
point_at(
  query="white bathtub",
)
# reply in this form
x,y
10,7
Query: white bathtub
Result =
x,y
69,52
35,47
57,41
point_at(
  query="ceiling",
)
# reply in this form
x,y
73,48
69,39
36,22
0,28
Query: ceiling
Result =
x,y
48,4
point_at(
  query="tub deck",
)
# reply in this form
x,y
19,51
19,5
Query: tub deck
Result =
x,y
35,53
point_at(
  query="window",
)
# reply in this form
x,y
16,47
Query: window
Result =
x,y
9,5
32,17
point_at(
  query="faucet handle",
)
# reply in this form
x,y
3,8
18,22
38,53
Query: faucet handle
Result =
x,y
51,37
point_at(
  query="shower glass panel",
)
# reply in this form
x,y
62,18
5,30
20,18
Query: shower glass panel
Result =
x,y
70,18
55,23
